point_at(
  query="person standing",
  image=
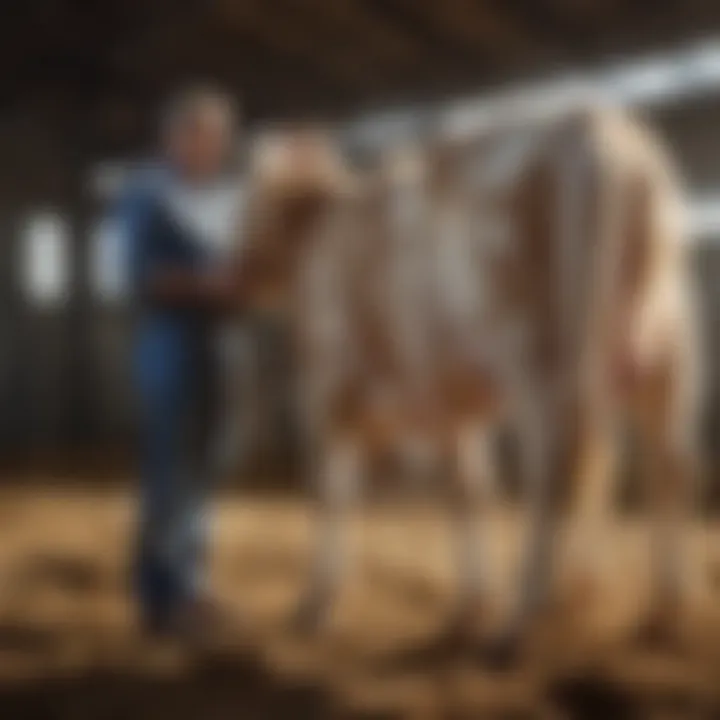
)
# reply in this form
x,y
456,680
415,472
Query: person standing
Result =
x,y
179,219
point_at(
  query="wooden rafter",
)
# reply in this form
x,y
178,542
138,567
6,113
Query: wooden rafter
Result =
x,y
79,61
286,33
477,27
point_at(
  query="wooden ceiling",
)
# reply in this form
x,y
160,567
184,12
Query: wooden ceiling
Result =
x,y
100,66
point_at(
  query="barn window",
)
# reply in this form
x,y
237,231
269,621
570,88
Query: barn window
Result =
x,y
45,260
107,262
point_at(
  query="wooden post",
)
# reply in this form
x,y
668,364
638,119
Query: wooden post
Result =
x,y
13,417
81,367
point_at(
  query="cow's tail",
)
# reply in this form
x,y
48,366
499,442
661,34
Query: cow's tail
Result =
x,y
587,245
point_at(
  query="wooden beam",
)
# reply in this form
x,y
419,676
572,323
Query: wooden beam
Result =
x,y
394,60
150,64
550,27
305,54
12,420
633,26
284,33
264,71
436,52
376,45
487,31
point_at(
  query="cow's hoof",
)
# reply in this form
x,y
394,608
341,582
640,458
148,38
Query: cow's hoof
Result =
x,y
454,638
582,594
463,627
502,652
310,616
659,631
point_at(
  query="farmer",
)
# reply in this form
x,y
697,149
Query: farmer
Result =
x,y
178,220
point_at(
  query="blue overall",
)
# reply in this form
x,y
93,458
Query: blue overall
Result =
x,y
175,374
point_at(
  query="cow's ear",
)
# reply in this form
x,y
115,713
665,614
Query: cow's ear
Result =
x,y
298,163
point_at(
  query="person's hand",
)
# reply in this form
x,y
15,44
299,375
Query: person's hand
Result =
x,y
222,289
626,367
632,359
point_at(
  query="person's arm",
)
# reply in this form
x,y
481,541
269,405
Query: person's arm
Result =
x,y
155,275
212,289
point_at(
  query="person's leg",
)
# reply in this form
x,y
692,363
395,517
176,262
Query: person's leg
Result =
x,y
179,387
194,479
174,490
168,471
197,615
157,583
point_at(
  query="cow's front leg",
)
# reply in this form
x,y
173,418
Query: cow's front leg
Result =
x,y
473,493
336,486
536,577
541,448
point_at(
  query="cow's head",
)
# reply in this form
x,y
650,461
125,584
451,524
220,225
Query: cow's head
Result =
x,y
297,176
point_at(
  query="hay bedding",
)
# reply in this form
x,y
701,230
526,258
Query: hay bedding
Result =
x,y
69,648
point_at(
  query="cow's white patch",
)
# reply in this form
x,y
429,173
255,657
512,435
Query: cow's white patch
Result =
x,y
459,286
497,168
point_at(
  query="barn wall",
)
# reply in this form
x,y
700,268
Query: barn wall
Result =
x,y
691,131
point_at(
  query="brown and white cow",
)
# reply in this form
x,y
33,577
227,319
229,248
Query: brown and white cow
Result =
x,y
532,276
592,284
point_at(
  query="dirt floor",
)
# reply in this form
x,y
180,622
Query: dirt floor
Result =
x,y
69,648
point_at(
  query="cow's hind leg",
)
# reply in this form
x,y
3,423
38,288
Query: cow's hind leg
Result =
x,y
473,492
669,460
590,502
337,481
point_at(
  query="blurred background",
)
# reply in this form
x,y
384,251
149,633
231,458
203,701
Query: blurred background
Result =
x,y
81,86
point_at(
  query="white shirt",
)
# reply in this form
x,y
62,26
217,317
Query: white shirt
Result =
x,y
211,214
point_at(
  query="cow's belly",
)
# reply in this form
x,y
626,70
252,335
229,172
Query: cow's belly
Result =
x,y
394,412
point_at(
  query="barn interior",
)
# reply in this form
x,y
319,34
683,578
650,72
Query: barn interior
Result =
x,y
82,84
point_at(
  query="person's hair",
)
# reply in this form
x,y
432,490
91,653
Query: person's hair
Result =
x,y
190,100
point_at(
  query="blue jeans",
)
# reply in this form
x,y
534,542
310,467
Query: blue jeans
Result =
x,y
176,378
